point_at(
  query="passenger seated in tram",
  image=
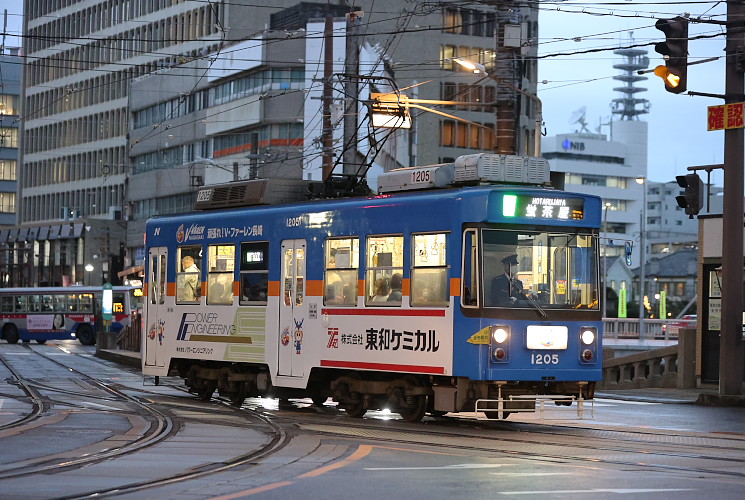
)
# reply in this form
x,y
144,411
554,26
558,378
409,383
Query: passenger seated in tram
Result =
x,y
396,288
382,290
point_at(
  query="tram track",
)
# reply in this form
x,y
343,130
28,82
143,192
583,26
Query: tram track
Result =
x,y
592,441
38,405
614,447
162,426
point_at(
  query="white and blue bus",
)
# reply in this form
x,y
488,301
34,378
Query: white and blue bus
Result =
x,y
424,298
59,313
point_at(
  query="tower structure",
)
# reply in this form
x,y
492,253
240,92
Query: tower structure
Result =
x,y
628,106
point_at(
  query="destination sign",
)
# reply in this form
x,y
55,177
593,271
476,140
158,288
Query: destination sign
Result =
x,y
543,207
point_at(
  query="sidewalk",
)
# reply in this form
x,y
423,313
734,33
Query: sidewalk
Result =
x,y
707,396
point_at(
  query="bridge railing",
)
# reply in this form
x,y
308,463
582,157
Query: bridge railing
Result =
x,y
668,367
628,328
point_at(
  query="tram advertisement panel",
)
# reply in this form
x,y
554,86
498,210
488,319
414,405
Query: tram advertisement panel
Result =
x,y
419,341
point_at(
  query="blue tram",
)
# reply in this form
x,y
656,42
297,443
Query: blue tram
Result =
x,y
437,295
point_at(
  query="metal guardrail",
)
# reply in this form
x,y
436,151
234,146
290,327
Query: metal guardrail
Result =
x,y
130,338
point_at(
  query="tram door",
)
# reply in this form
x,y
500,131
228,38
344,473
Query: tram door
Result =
x,y
156,296
293,308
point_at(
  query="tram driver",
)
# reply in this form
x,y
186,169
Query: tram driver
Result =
x,y
506,289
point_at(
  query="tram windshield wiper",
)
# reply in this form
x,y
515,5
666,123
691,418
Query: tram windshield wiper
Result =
x,y
529,298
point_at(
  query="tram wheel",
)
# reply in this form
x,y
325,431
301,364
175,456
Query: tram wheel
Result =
x,y
205,393
319,400
85,335
10,333
356,408
416,406
237,397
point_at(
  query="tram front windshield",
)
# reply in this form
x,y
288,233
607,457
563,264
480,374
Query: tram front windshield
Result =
x,y
543,270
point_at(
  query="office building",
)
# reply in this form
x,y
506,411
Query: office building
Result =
x,y
84,59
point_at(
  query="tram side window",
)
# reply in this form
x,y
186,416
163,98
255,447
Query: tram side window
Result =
x,y
469,282
220,274
254,273
342,261
429,275
189,275
385,270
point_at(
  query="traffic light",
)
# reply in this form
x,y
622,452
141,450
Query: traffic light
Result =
x,y
675,51
692,200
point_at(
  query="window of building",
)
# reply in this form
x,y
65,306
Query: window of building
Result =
x,y
254,272
220,274
189,276
447,53
8,137
9,104
385,270
342,271
429,275
452,21
7,203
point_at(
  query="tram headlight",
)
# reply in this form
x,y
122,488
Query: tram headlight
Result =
x,y
500,333
588,335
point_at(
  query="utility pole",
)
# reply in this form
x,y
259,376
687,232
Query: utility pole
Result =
x,y
351,93
731,349
328,71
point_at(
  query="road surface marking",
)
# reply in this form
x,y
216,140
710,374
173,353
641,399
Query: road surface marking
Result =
x,y
618,491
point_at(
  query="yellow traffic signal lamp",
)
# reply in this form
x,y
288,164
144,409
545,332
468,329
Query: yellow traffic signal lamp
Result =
x,y
671,79
675,52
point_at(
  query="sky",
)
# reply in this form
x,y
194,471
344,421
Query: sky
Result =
x,y
677,123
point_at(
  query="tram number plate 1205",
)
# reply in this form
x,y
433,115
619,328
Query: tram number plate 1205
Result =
x,y
544,359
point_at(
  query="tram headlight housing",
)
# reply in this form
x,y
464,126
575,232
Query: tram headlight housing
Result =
x,y
588,336
588,343
500,333
500,339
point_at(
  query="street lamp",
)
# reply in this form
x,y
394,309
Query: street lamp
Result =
x,y
88,269
642,256
481,69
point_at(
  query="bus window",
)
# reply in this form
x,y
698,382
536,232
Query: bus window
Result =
x,y
86,303
342,269
34,303
58,303
429,275
6,304
254,272
22,303
46,303
72,302
118,303
221,274
385,262
189,276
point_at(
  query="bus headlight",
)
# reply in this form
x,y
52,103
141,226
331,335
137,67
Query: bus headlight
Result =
x,y
588,336
500,334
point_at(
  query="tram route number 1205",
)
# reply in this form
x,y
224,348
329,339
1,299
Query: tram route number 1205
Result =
x,y
544,359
